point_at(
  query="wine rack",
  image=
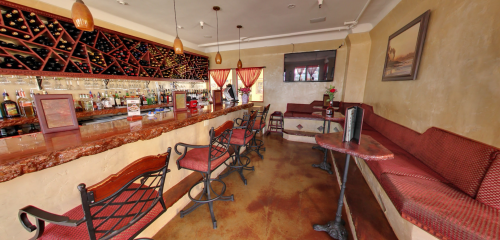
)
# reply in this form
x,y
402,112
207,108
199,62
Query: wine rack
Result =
x,y
38,43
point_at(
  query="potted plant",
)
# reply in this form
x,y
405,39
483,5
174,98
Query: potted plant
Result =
x,y
331,93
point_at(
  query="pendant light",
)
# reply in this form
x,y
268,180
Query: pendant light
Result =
x,y
178,47
82,18
218,57
240,64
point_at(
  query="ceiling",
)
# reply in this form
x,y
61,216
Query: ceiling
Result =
x,y
260,18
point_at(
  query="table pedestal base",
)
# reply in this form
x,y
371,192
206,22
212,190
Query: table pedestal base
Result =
x,y
335,230
323,165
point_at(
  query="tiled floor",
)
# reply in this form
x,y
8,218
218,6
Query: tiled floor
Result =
x,y
284,197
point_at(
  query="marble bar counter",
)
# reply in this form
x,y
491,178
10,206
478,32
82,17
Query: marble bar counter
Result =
x,y
33,152
8,122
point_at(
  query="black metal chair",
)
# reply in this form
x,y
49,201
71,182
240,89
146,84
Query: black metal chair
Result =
x,y
119,207
256,145
241,137
205,159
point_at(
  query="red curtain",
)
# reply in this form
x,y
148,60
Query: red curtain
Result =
x,y
311,70
249,75
300,70
220,76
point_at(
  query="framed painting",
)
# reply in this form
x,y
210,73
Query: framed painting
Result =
x,y
180,101
217,95
404,50
56,113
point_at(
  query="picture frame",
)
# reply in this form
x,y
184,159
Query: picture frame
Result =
x,y
179,99
56,113
404,50
217,97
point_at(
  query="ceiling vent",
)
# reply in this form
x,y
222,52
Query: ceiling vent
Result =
x,y
317,20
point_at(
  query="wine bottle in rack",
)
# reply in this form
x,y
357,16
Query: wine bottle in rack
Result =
x,y
43,53
142,47
44,41
53,65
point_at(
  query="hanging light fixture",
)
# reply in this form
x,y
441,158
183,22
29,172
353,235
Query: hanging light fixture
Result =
x,y
240,64
218,57
82,18
178,47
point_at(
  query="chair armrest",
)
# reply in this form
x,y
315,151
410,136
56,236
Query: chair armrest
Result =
x,y
239,119
41,217
186,146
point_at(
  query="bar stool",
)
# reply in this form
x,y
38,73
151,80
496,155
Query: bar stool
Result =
x,y
257,145
205,159
241,137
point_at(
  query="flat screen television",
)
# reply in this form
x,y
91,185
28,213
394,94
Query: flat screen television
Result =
x,y
317,66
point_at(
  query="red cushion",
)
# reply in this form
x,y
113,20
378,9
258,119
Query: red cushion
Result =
x,y
258,125
238,137
288,114
462,161
403,164
440,209
489,192
197,159
53,231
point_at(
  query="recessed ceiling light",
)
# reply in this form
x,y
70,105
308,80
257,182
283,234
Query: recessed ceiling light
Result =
x,y
317,20
122,2
291,6
180,27
207,36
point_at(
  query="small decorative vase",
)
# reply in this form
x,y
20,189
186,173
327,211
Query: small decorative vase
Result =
x,y
244,98
330,110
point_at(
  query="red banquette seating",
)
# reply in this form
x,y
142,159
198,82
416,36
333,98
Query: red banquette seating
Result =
x,y
444,183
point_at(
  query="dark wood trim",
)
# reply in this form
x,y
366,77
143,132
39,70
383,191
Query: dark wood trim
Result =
x,y
424,22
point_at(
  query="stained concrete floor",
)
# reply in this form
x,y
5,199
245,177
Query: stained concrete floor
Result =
x,y
284,197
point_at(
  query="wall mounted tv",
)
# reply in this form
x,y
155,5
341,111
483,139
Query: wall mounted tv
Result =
x,y
317,66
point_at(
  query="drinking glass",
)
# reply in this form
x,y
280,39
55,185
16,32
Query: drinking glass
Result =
x,y
20,80
46,83
4,80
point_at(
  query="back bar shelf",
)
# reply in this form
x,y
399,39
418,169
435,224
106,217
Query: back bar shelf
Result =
x,y
38,43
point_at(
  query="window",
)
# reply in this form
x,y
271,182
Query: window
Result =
x,y
213,85
257,93
300,74
312,73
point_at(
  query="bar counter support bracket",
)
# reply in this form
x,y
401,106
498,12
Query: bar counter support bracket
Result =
x,y
336,228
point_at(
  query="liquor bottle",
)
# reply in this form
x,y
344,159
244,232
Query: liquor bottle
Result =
x,y
111,100
94,103
33,102
33,129
99,102
25,105
105,101
78,106
9,107
88,103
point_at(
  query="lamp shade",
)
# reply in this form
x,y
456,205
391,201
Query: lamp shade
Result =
x,y
218,58
82,18
240,64
178,47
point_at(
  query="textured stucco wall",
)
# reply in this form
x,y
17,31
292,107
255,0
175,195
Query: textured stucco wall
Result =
x,y
106,22
458,83
276,92
357,66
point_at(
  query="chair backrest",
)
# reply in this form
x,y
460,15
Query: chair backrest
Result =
x,y
121,200
264,114
220,139
250,119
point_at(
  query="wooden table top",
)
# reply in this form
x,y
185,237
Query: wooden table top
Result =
x,y
369,149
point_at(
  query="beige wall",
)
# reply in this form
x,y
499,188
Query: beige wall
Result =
x,y
359,45
458,84
98,22
276,92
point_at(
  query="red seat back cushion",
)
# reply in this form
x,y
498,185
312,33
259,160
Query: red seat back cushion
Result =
x,y
489,192
300,108
238,137
53,231
460,160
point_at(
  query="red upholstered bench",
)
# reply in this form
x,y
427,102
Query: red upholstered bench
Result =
x,y
444,183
